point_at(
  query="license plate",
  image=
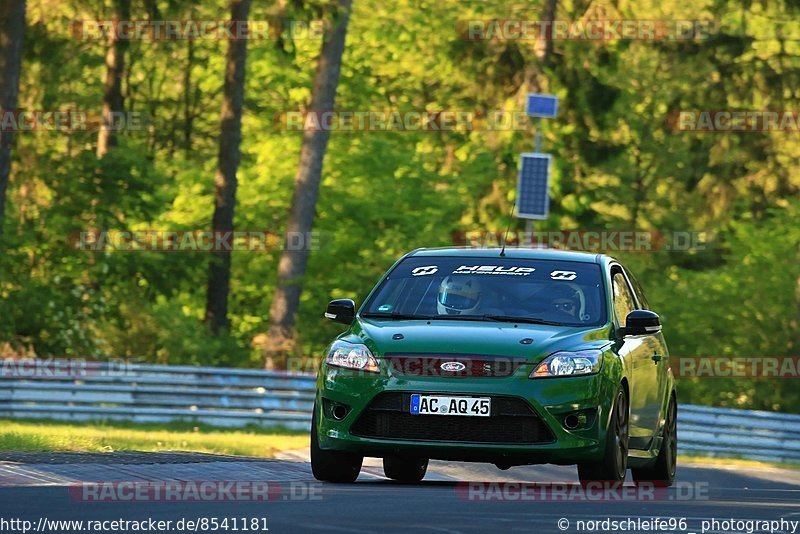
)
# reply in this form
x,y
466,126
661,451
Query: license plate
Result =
x,y
440,405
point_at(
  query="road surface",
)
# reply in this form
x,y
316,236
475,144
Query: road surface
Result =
x,y
281,496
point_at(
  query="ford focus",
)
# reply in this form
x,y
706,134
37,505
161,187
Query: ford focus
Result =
x,y
511,357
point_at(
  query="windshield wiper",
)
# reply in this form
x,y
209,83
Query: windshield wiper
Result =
x,y
395,315
515,319
408,316
486,317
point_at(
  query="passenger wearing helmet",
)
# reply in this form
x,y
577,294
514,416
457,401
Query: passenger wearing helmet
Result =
x,y
458,296
567,299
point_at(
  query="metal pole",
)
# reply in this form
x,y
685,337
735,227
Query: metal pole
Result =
x,y
529,232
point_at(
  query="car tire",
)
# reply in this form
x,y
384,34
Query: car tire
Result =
x,y
662,472
405,469
332,466
612,468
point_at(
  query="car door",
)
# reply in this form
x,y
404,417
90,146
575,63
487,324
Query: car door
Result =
x,y
637,350
659,356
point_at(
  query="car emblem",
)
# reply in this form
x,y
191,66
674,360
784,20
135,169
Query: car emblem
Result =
x,y
453,367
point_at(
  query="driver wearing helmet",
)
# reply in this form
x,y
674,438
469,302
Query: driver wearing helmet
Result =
x,y
458,296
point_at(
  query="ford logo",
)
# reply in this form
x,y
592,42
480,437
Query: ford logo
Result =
x,y
453,367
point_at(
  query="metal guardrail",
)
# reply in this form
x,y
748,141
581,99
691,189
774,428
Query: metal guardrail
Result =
x,y
241,397
156,394
725,432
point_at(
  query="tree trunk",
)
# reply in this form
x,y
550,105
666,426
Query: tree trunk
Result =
x,y
188,108
544,47
12,31
292,266
113,101
230,137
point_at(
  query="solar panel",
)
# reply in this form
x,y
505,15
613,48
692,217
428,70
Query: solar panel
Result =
x,y
541,105
533,197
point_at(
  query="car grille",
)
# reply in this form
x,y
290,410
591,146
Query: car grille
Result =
x,y
472,366
512,421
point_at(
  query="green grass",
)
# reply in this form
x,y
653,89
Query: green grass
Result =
x,y
56,436
50,436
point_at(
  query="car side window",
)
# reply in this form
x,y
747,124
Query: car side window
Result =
x,y
637,290
623,299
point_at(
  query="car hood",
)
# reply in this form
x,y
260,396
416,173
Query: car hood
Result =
x,y
473,337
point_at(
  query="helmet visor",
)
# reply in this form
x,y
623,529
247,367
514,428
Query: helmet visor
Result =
x,y
457,300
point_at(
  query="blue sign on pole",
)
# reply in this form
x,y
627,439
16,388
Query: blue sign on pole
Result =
x,y
533,196
545,106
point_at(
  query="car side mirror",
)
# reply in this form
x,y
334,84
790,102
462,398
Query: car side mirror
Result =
x,y
641,323
341,310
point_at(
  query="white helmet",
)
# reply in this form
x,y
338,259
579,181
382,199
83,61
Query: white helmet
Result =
x,y
458,296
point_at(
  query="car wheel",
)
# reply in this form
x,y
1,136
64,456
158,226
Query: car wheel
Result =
x,y
332,466
404,469
662,472
611,469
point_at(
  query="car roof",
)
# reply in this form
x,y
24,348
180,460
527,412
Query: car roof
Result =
x,y
512,252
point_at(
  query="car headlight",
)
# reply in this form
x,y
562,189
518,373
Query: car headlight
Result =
x,y
583,362
351,356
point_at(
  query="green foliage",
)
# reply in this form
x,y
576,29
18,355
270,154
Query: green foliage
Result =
x,y
618,165
747,307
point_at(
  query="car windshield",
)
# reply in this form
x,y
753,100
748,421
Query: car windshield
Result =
x,y
491,289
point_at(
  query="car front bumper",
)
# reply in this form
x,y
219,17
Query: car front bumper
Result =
x,y
551,399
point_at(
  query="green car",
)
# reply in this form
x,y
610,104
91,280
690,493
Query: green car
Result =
x,y
514,357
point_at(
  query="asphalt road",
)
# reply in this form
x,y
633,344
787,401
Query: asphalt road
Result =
x,y
542,496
